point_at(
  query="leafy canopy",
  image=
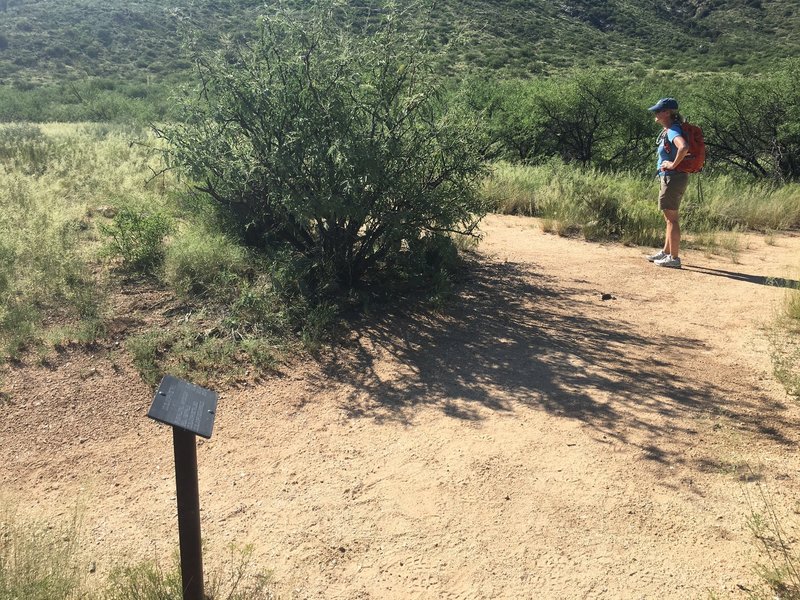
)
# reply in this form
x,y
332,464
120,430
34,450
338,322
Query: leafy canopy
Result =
x,y
332,144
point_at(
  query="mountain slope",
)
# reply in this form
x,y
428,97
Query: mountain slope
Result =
x,y
47,40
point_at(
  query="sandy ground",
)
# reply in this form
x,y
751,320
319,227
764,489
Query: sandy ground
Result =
x,y
532,441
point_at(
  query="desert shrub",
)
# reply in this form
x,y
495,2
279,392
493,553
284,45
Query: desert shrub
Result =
x,y
136,238
595,118
334,150
88,100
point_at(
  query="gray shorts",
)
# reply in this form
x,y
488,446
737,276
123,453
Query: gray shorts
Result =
x,y
672,188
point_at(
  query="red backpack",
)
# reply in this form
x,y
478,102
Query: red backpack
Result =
x,y
696,156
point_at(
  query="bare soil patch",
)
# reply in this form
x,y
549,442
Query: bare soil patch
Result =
x,y
531,441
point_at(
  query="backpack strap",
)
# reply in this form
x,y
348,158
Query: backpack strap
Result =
x,y
665,137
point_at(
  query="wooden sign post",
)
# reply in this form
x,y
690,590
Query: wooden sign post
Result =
x,y
190,410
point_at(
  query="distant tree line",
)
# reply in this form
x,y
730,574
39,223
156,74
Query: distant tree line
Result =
x,y
593,118
599,119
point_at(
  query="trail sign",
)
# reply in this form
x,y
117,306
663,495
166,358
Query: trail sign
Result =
x,y
190,410
184,405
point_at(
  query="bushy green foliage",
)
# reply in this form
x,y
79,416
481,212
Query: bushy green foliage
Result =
x,y
595,118
753,124
599,119
331,147
136,237
55,40
146,350
51,49
86,100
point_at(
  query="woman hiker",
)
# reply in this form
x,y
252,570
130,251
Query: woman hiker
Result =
x,y
672,148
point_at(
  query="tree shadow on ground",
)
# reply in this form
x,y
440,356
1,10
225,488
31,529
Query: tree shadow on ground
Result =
x,y
515,339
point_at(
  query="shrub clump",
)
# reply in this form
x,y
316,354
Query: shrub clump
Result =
x,y
330,148
137,239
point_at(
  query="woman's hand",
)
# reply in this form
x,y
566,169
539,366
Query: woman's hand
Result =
x,y
683,148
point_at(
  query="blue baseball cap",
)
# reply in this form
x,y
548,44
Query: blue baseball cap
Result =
x,y
664,104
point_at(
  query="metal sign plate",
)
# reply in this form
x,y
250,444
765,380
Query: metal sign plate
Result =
x,y
184,405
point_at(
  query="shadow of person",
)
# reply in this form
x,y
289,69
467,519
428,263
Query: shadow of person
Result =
x,y
757,279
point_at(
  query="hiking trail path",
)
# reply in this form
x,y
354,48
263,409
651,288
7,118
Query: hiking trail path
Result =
x,y
531,440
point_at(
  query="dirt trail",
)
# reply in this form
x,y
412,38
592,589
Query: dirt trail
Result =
x,y
534,442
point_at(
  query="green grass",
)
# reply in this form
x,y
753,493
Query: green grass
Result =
x,y
209,357
779,566
38,561
716,243
623,206
727,203
81,212
53,179
42,561
150,580
785,343
136,238
203,262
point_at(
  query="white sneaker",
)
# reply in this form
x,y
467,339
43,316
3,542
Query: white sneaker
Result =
x,y
657,256
674,263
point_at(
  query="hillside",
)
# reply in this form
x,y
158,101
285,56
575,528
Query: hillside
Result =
x,y
42,41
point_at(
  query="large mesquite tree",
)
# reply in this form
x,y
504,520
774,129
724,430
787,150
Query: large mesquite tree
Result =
x,y
332,141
